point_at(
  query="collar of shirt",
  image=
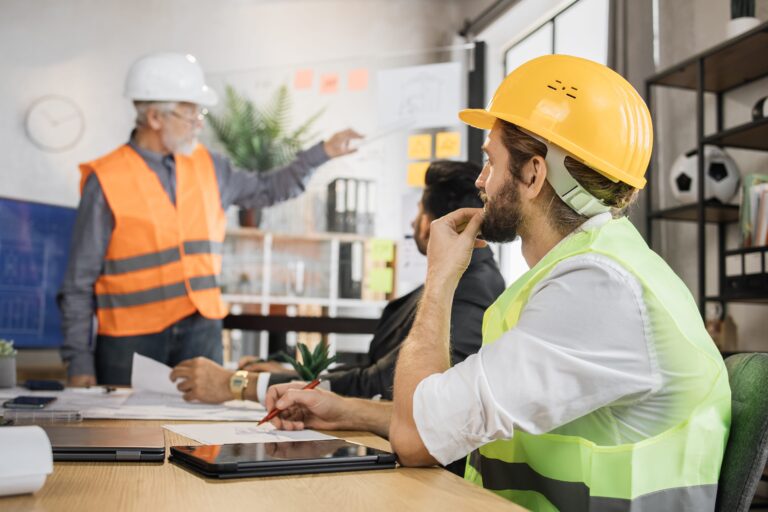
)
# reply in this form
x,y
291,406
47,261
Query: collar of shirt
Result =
x,y
152,157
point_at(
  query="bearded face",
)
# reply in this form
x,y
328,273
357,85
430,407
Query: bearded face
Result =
x,y
184,143
503,214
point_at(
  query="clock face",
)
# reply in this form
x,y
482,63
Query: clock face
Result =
x,y
55,123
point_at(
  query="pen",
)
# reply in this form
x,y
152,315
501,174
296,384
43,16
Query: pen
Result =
x,y
275,411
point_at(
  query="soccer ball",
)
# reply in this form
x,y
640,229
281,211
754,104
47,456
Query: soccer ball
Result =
x,y
721,176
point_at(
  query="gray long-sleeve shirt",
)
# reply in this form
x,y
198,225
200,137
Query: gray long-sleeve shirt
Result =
x,y
94,225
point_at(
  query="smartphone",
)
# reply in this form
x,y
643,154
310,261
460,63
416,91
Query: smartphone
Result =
x,y
44,385
29,402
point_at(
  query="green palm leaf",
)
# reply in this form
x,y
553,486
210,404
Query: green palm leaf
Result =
x,y
258,138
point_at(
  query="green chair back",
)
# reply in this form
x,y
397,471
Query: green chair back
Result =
x,y
747,449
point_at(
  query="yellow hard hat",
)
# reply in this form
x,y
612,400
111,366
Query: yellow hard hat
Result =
x,y
586,108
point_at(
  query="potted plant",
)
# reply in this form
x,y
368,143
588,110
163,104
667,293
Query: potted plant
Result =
x,y
7,364
742,17
312,363
258,139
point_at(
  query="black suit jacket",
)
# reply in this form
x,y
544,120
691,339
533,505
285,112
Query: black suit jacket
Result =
x,y
480,285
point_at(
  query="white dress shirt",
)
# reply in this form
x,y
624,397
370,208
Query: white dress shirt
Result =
x,y
583,342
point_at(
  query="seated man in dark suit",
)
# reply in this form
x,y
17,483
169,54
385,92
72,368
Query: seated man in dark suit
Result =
x,y
449,185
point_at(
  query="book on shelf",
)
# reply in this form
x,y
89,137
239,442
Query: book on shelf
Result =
x,y
754,210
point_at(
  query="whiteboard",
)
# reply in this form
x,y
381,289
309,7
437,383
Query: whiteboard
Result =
x,y
419,96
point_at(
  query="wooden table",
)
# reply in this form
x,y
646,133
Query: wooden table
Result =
x,y
150,487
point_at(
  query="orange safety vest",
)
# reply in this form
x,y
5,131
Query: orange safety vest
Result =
x,y
163,260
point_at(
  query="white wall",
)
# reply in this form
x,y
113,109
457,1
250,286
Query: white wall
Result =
x,y
82,49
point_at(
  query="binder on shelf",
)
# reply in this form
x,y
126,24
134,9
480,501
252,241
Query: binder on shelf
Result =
x,y
337,205
350,218
350,270
369,218
362,207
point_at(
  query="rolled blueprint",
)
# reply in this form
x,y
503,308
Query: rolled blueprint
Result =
x,y
25,459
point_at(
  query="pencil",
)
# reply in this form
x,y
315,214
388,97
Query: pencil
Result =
x,y
275,411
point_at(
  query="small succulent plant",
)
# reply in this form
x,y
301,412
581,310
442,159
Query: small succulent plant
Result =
x,y
6,348
312,363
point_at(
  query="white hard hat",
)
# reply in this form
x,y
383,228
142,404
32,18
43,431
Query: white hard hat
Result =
x,y
168,77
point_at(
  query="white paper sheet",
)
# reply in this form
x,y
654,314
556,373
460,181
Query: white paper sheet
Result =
x,y
150,375
232,433
95,403
26,459
424,96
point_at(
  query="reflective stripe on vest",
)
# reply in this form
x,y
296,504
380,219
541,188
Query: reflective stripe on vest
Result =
x,y
121,266
566,469
163,259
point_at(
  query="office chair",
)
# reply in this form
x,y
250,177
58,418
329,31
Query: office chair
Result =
x,y
747,449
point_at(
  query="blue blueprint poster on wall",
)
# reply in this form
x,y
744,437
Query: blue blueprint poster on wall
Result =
x,y
34,244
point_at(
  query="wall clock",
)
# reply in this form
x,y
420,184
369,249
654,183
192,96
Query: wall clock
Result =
x,y
54,123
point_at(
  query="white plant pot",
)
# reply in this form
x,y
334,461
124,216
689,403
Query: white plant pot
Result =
x,y
7,372
738,26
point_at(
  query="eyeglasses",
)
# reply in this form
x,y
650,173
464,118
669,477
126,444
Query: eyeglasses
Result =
x,y
192,121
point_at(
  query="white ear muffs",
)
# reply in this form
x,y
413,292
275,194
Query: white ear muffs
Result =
x,y
566,187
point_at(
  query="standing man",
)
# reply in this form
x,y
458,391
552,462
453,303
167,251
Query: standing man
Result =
x,y
597,387
146,248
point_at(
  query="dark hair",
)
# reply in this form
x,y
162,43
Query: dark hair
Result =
x,y
450,185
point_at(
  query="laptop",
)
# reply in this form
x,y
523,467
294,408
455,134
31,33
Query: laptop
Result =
x,y
224,461
109,444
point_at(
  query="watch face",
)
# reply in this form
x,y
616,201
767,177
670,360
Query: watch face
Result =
x,y
55,123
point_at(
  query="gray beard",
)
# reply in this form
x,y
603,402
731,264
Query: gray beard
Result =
x,y
179,146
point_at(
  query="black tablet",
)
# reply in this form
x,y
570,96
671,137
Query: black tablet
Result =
x,y
272,459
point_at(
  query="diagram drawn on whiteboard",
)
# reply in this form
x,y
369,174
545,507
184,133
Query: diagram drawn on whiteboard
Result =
x,y
421,96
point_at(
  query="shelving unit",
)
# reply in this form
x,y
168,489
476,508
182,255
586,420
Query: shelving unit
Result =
x,y
717,71
266,273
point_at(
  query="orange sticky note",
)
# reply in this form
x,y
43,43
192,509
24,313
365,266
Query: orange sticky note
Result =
x,y
329,83
447,144
416,173
420,146
357,80
303,79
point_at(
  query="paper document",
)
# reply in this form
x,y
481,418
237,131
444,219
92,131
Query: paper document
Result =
x,y
233,433
141,405
150,375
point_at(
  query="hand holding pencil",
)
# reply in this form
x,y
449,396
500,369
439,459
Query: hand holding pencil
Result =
x,y
274,411
296,406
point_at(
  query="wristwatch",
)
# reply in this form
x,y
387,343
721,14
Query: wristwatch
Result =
x,y
237,384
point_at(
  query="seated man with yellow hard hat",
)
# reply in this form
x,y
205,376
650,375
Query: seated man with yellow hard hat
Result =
x,y
146,247
597,387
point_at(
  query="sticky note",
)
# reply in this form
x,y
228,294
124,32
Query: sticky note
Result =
x,y
448,144
303,79
416,173
329,83
380,280
420,146
382,250
357,80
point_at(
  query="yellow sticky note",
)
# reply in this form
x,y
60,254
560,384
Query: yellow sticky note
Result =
x,y
329,83
303,79
420,146
380,280
448,144
416,173
382,250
